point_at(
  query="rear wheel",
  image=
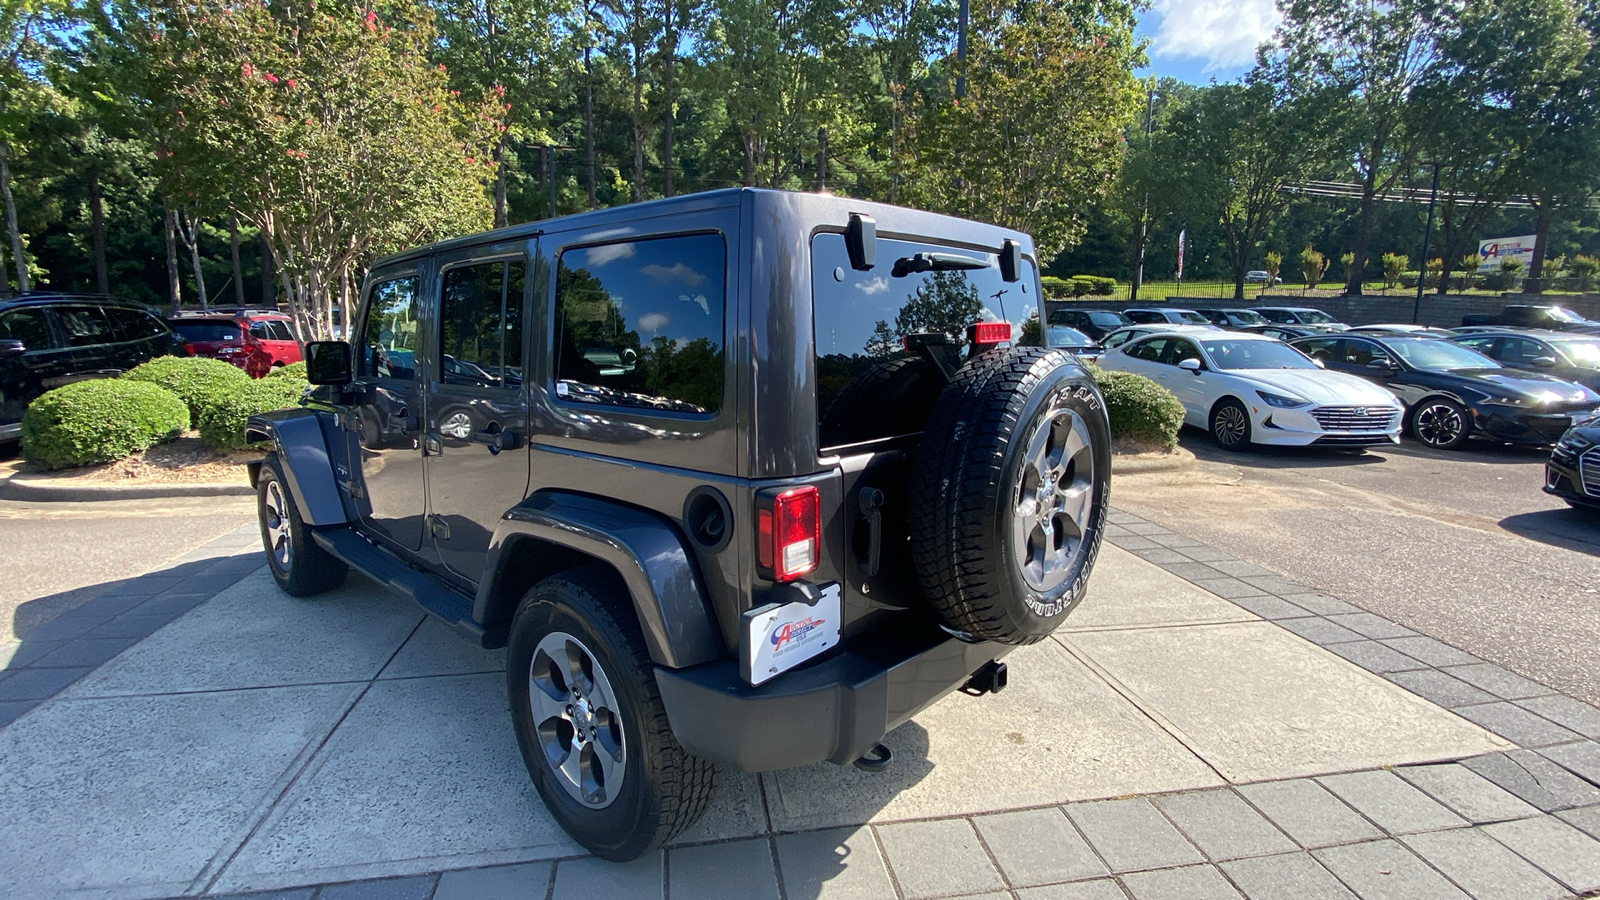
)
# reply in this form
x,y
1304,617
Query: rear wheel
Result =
x,y
1441,423
1230,425
298,564
590,721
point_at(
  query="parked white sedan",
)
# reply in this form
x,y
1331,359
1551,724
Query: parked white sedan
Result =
x,y
1247,388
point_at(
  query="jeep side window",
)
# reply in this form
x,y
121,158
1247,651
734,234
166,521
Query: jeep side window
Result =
x,y
390,345
639,323
480,325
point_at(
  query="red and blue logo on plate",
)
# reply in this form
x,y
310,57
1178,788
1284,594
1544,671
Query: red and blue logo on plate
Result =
x,y
794,632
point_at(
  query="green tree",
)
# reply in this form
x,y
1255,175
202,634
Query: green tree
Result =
x,y
27,28
1583,271
1394,264
326,127
1313,265
1365,63
1273,262
1038,136
946,303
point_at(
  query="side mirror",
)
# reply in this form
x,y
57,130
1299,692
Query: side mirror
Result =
x,y
1543,362
10,347
328,362
1318,363
1191,364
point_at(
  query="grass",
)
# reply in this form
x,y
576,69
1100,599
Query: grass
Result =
x,y
1161,290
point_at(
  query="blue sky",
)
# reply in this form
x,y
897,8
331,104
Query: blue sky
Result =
x,y
1198,40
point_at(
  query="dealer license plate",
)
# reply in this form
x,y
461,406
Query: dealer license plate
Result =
x,y
778,637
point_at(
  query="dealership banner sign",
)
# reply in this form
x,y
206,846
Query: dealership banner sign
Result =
x,y
1496,250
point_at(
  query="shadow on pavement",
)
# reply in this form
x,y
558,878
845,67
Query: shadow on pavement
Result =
x,y
1266,456
1568,529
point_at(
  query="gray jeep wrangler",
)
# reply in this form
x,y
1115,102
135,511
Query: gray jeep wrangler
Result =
x,y
741,479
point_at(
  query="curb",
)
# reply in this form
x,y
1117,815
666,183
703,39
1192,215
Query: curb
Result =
x,y
1143,463
43,489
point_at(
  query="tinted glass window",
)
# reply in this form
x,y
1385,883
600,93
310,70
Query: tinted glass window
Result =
x,y
85,326
639,324
1193,318
1522,352
1108,320
480,323
1150,350
1482,345
389,347
28,326
1119,338
1327,349
1582,353
207,331
279,330
868,387
1275,315
1143,316
1360,353
134,324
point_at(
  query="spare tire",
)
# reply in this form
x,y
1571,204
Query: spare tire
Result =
x,y
1009,492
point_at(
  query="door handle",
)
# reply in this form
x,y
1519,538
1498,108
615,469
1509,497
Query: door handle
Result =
x,y
496,440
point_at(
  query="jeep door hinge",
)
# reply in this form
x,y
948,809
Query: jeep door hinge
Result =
x,y
439,527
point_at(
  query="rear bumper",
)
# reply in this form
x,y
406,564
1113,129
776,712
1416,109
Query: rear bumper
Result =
x,y
835,710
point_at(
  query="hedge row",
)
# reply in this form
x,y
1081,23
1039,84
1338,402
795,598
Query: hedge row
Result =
x,y
1077,286
104,420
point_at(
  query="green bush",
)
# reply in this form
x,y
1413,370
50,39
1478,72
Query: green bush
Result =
x,y
1141,411
1093,284
292,370
197,381
99,421
222,422
1056,288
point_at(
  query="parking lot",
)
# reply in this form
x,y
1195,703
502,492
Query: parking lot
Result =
x,y
1460,545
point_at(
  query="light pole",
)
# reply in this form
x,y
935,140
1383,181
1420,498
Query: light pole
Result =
x,y
1144,209
1427,233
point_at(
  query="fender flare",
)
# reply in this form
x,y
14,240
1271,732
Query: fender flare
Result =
x,y
645,549
302,446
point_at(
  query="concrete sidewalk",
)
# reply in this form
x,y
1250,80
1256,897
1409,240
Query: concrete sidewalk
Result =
x,y
1168,743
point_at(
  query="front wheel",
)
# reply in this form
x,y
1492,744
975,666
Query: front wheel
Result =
x,y
1230,425
1441,423
298,564
590,722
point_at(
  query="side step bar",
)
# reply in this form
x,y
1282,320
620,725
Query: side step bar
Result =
x,y
436,599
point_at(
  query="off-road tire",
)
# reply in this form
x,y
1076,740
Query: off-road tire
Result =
x,y
893,397
664,788
298,564
968,479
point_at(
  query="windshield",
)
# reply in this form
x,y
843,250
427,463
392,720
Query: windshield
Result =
x,y
1432,353
1237,354
1562,314
1109,319
1317,317
1246,317
1193,318
1582,353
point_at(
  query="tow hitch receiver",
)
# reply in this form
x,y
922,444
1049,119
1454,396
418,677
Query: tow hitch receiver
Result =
x,y
875,760
990,679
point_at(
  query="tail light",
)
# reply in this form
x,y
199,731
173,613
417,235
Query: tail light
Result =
x,y
789,533
988,333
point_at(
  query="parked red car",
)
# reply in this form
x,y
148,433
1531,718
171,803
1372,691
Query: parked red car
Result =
x,y
255,341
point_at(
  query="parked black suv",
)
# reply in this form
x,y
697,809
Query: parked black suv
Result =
x,y
744,479
48,339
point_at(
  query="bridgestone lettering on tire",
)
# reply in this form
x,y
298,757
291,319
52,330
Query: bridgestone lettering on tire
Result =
x,y
1010,489
575,640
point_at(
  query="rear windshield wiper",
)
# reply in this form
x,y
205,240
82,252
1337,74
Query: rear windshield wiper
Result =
x,y
935,262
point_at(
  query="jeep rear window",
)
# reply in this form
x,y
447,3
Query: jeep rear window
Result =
x,y
863,372
640,323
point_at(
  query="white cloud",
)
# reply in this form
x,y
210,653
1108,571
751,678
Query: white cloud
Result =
x,y
607,253
677,272
1222,33
698,300
653,321
875,286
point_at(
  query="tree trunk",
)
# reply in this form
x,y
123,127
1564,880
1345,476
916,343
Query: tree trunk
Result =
x,y
5,280
18,258
97,234
1369,185
269,291
667,120
238,267
588,120
1533,283
822,160
189,230
638,124
500,182
170,231
749,178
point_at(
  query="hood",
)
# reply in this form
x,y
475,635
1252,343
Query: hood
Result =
x,y
1318,386
1532,384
